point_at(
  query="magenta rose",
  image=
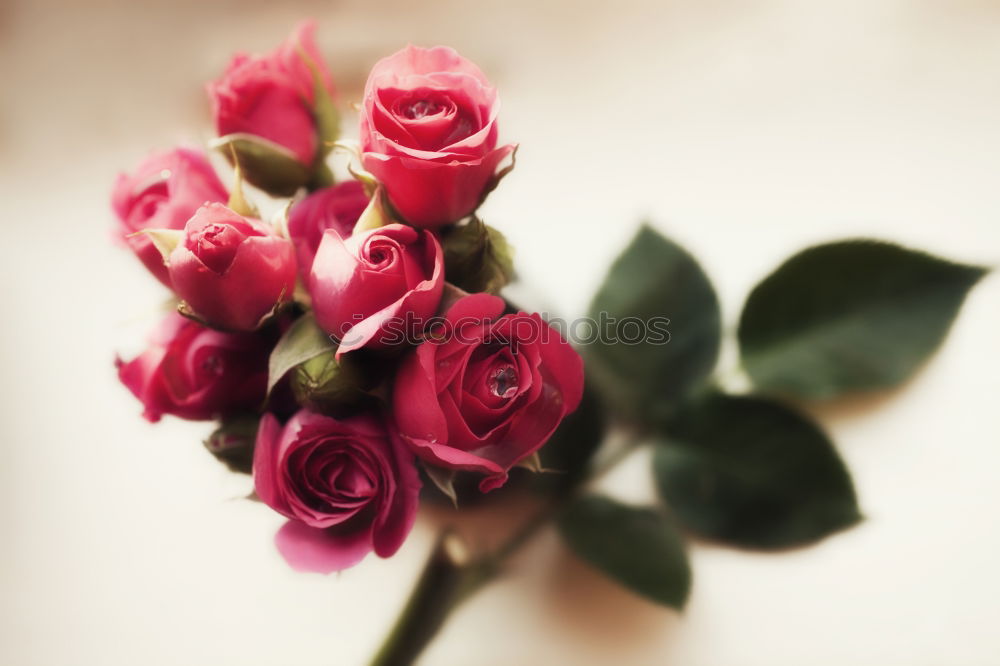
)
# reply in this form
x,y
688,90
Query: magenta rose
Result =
x,y
162,193
337,207
348,487
232,271
429,133
485,390
375,289
272,96
196,372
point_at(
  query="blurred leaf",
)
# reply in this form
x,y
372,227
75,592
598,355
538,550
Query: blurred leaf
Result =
x,y
164,240
569,451
302,341
374,216
753,473
238,203
233,442
265,164
638,547
443,479
847,316
654,278
477,257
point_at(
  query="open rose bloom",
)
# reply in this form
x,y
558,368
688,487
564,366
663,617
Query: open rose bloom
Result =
x,y
429,134
488,391
315,336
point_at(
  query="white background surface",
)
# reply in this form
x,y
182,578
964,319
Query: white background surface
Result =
x,y
744,130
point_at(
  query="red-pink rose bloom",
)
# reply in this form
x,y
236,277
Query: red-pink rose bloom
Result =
x,y
337,207
376,289
272,96
232,271
429,133
486,390
162,193
348,487
196,372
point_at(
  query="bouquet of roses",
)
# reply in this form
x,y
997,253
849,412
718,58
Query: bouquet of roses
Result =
x,y
359,327
353,343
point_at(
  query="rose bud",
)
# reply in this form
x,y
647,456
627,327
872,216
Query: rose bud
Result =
x,y
485,390
337,207
162,193
198,373
231,271
347,486
376,288
429,134
273,97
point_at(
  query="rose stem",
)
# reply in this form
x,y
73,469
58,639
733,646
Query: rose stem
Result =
x,y
449,577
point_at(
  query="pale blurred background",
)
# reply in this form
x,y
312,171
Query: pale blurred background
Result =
x,y
743,129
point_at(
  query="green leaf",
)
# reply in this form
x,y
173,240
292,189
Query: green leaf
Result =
x,y
654,280
753,473
233,443
302,341
265,164
849,316
444,480
324,384
477,257
569,451
638,547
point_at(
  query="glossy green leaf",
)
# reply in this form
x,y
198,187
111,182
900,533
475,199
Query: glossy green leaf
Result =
x,y
302,341
754,473
641,361
637,547
848,316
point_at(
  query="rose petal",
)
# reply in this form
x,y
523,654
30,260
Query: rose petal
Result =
x,y
321,550
266,479
431,194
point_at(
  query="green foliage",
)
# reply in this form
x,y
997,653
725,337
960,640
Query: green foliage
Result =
x,y
477,257
849,316
303,341
265,164
754,473
636,546
653,278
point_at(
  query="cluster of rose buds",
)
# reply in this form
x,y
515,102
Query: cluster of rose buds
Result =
x,y
360,332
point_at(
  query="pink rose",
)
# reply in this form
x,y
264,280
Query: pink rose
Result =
x,y
375,288
486,391
429,133
163,193
337,208
232,271
198,373
347,486
272,96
